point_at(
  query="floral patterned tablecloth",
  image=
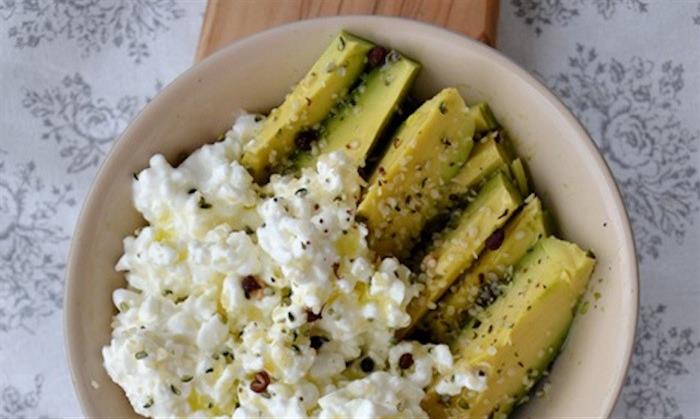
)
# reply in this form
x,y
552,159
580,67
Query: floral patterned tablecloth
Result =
x,y
73,73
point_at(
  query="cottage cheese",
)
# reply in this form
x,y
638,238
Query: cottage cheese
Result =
x,y
191,333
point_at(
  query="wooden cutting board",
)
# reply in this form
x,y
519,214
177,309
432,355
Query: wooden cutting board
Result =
x,y
228,20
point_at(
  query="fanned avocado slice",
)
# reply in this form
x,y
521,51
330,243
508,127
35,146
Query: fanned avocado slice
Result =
x,y
517,168
483,118
408,185
515,339
309,102
487,158
358,122
455,252
489,272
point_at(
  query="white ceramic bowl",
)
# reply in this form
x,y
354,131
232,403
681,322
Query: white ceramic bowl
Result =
x,y
254,74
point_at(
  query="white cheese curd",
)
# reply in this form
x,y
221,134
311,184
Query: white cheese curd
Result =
x,y
252,301
454,383
378,395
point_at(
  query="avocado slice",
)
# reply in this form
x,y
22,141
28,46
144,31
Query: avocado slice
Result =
x,y
357,124
488,157
459,248
309,102
515,340
517,168
483,118
491,269
408,185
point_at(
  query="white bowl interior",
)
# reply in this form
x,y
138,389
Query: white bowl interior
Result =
x,y
254,75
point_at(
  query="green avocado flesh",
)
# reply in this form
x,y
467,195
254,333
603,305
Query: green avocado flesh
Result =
x,y
455,252
458,305
487,158
515,339
483,118
309,102
517,168
405,190
359,121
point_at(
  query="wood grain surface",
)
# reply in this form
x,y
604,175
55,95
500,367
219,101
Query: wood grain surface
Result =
x,y
228,20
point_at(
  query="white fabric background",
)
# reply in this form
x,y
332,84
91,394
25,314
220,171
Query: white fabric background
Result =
x,y
74,72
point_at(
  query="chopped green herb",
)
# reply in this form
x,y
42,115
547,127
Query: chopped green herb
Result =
x,y
443,108
186,379
174,389
583,308
148,404
341,43
141,354
203,204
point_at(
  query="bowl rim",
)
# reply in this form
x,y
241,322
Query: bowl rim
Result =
x,y
100,181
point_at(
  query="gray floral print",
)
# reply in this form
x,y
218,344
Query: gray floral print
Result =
x,y
540,13
31,246
630,108
659,355
15,404
91,24
607,8
82,126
